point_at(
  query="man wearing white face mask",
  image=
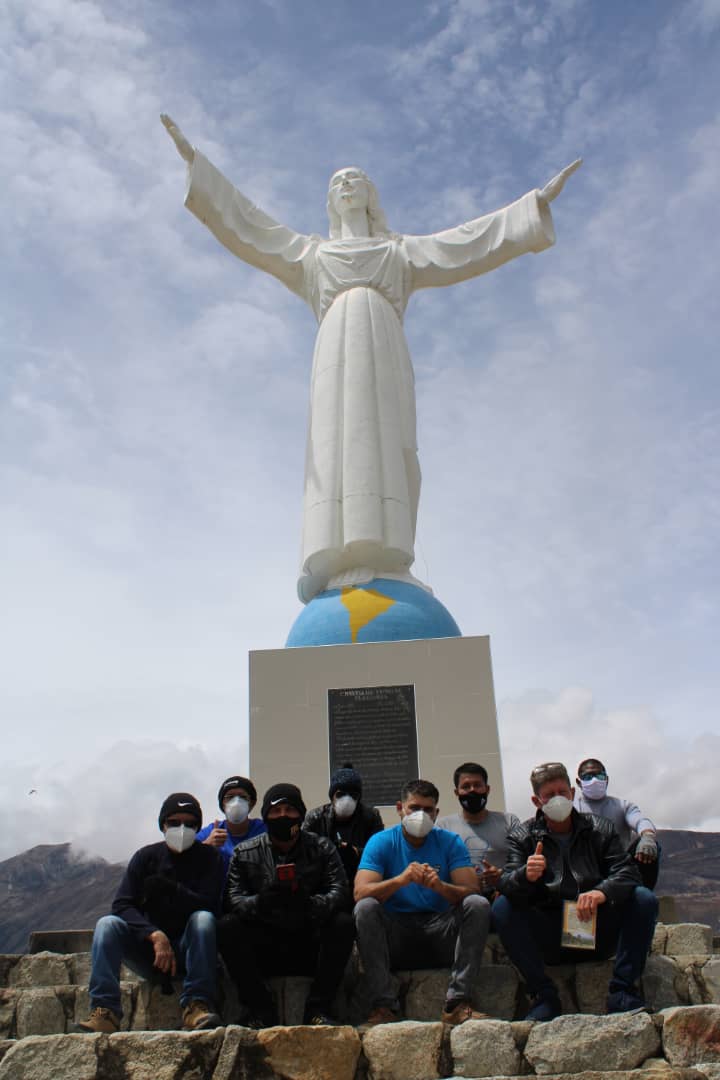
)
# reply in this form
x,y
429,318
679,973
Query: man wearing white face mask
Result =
x,y
417,905
345,820
636,831
563,856
236,798
162,922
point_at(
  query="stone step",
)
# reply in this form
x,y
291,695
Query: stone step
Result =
x,y
48,993
677,1044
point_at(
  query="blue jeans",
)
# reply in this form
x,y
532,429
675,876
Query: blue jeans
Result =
x,y
531,937
115,942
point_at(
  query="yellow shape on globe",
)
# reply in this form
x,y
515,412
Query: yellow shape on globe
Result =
x,y
363,606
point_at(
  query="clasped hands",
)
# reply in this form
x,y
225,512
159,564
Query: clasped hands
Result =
x,y
416,873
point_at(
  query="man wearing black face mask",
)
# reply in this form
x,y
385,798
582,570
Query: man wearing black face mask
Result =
x,y
286,900
483,831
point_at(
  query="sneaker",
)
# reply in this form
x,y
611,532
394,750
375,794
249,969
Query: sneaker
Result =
x,y
198,1016
626,1001
381,1014
318,1018
100,1020
259,1019
547,1006
458,1012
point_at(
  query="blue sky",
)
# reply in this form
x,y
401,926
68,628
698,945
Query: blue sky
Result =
x,y
153,390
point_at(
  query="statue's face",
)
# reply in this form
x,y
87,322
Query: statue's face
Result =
x,y
349,190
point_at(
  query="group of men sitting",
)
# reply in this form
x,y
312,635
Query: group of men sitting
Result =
x,y
275,895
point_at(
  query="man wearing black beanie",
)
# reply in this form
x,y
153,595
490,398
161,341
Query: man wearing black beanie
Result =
x,y
286,900
346,819
162,922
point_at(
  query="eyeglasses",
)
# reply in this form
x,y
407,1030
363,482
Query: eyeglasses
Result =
x,y
593,776
549,766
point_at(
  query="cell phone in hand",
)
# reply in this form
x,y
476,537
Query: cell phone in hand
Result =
x,y
286,875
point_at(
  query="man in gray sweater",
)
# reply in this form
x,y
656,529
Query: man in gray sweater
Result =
x,y
636,831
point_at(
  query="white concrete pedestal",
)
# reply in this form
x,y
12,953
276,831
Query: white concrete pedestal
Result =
x,y
454,705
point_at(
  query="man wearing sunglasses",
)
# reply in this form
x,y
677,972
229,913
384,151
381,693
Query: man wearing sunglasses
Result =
x,y
636,831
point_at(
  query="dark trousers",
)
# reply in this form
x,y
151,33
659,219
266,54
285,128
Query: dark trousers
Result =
x,y
531,938
251,950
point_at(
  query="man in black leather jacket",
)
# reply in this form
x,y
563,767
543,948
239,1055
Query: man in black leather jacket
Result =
x,y
286,901
562,857
346,820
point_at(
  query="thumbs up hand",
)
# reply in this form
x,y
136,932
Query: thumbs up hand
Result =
x,y
217,837
536,865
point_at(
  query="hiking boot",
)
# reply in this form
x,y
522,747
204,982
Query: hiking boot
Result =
x,y
101,1020
457,1012
626,1001
258,1019
547,1006
198,1016
381,1014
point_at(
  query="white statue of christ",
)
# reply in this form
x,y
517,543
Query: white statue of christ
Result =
x,y
362,477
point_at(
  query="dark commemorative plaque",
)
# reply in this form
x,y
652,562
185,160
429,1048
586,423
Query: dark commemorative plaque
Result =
x,y
374,727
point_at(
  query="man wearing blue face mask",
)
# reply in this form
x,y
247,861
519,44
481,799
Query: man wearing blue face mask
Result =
x,y
162,922
636,831
417,905
346,820
236,798
568,871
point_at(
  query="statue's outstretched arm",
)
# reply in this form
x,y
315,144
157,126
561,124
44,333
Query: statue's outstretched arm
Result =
x,y
553,187
184,148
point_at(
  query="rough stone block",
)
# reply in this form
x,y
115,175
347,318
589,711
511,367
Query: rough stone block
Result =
x,y
146,1055
7,1012
40,969
155,1011
576,1043
484,1048
66,1056
692,1034
709,1069
241,1056
591,986
408,1050
290,996
82,1005
39,1012
659,940
664,983
7,963
311,1053
425,995
689,938
5,1045
710,976
80,967
496,991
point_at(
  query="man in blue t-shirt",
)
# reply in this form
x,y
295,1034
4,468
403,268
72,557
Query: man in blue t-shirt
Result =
x,y
417,905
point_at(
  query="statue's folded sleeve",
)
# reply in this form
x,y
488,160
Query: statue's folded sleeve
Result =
x,y
243,228
481,245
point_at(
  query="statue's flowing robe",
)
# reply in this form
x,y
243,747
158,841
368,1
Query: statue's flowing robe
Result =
x,y
362,478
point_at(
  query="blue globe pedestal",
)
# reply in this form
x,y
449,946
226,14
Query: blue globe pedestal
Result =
x,y
381,610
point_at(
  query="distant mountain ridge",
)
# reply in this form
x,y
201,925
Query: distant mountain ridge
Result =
x,y
49,887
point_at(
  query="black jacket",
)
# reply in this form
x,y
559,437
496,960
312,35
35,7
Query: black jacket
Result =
x,y
354,832
318,872
595,856
194,883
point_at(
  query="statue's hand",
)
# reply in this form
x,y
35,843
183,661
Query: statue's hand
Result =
x,y
184,148
553,187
